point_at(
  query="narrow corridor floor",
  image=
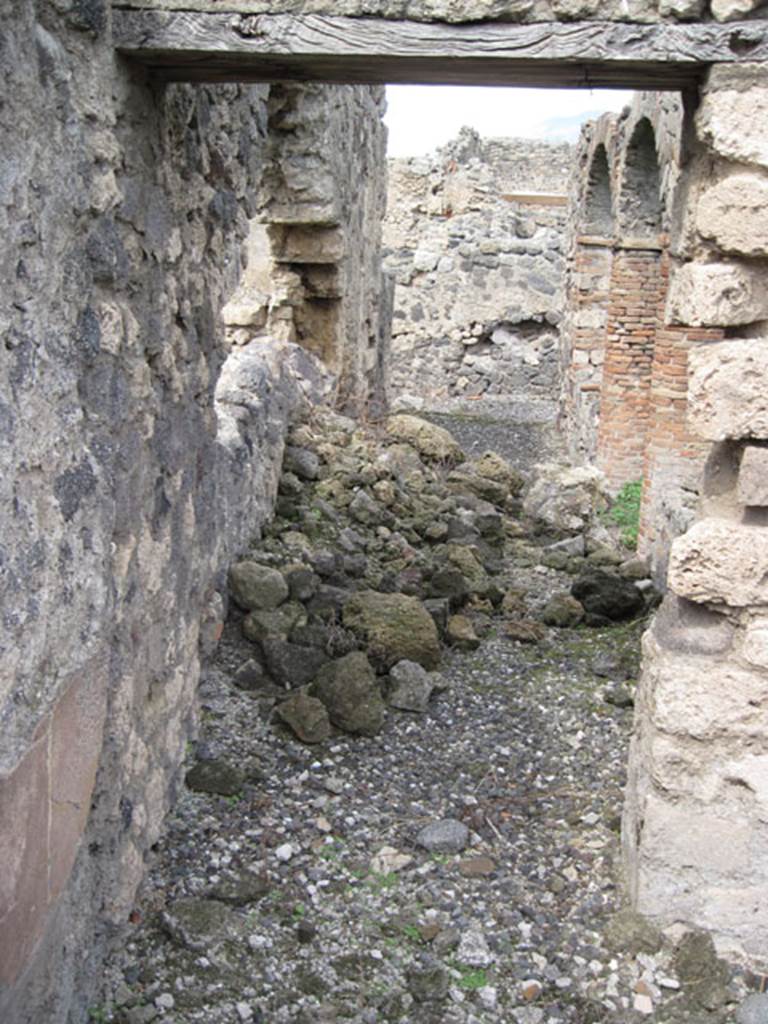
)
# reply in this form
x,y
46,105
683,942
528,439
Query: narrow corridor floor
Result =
x,y
460,867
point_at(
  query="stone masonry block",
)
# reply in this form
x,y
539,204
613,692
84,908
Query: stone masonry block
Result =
x,y
721,563
715,845
753,476
734,213
732,118
727,396
704,698
733,10
717,295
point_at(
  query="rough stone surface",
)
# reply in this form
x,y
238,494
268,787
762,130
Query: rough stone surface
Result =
x,y
717,295
562,610
348,689
726,397
395,628
427,438
734,214
564,497
306,716
410,686
731,117
753,476
722,563
448,836
733,10
257,586
754,1009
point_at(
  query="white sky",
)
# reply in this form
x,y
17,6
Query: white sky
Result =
x,y
422,117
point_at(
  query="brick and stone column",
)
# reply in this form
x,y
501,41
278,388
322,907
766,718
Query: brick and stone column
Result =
x,y
637,290
674,457
695,830
587,319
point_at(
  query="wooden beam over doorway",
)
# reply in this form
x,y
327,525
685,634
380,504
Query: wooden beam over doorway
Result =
x,y
224,47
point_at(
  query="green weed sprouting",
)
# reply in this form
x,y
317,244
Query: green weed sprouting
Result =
x,y
625,512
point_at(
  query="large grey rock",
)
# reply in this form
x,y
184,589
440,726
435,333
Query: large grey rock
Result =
x,y
565,497
348,689
410,686
302,462
734,213
395,628
732,114
255,586
446,836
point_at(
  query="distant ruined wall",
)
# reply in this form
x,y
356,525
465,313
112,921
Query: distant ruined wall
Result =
x,y
138,455
473,237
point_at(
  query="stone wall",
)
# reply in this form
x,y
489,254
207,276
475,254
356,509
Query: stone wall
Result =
x,y
695,819
473,238
138,455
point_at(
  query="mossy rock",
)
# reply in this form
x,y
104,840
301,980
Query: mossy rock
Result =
x,y
395,627
348,690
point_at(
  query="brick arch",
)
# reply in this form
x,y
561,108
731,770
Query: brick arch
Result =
x,y
636,297
641,208
599,215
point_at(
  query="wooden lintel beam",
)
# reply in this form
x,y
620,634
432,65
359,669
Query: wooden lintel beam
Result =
x,y
193,46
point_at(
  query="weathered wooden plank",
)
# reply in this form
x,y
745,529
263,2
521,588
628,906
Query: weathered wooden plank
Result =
x,y
182,45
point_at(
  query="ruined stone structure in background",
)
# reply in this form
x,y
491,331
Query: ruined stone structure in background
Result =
x,y
316,239
137,458
474,239
624,384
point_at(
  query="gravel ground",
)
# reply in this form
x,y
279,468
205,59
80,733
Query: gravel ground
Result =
x,y
309,894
